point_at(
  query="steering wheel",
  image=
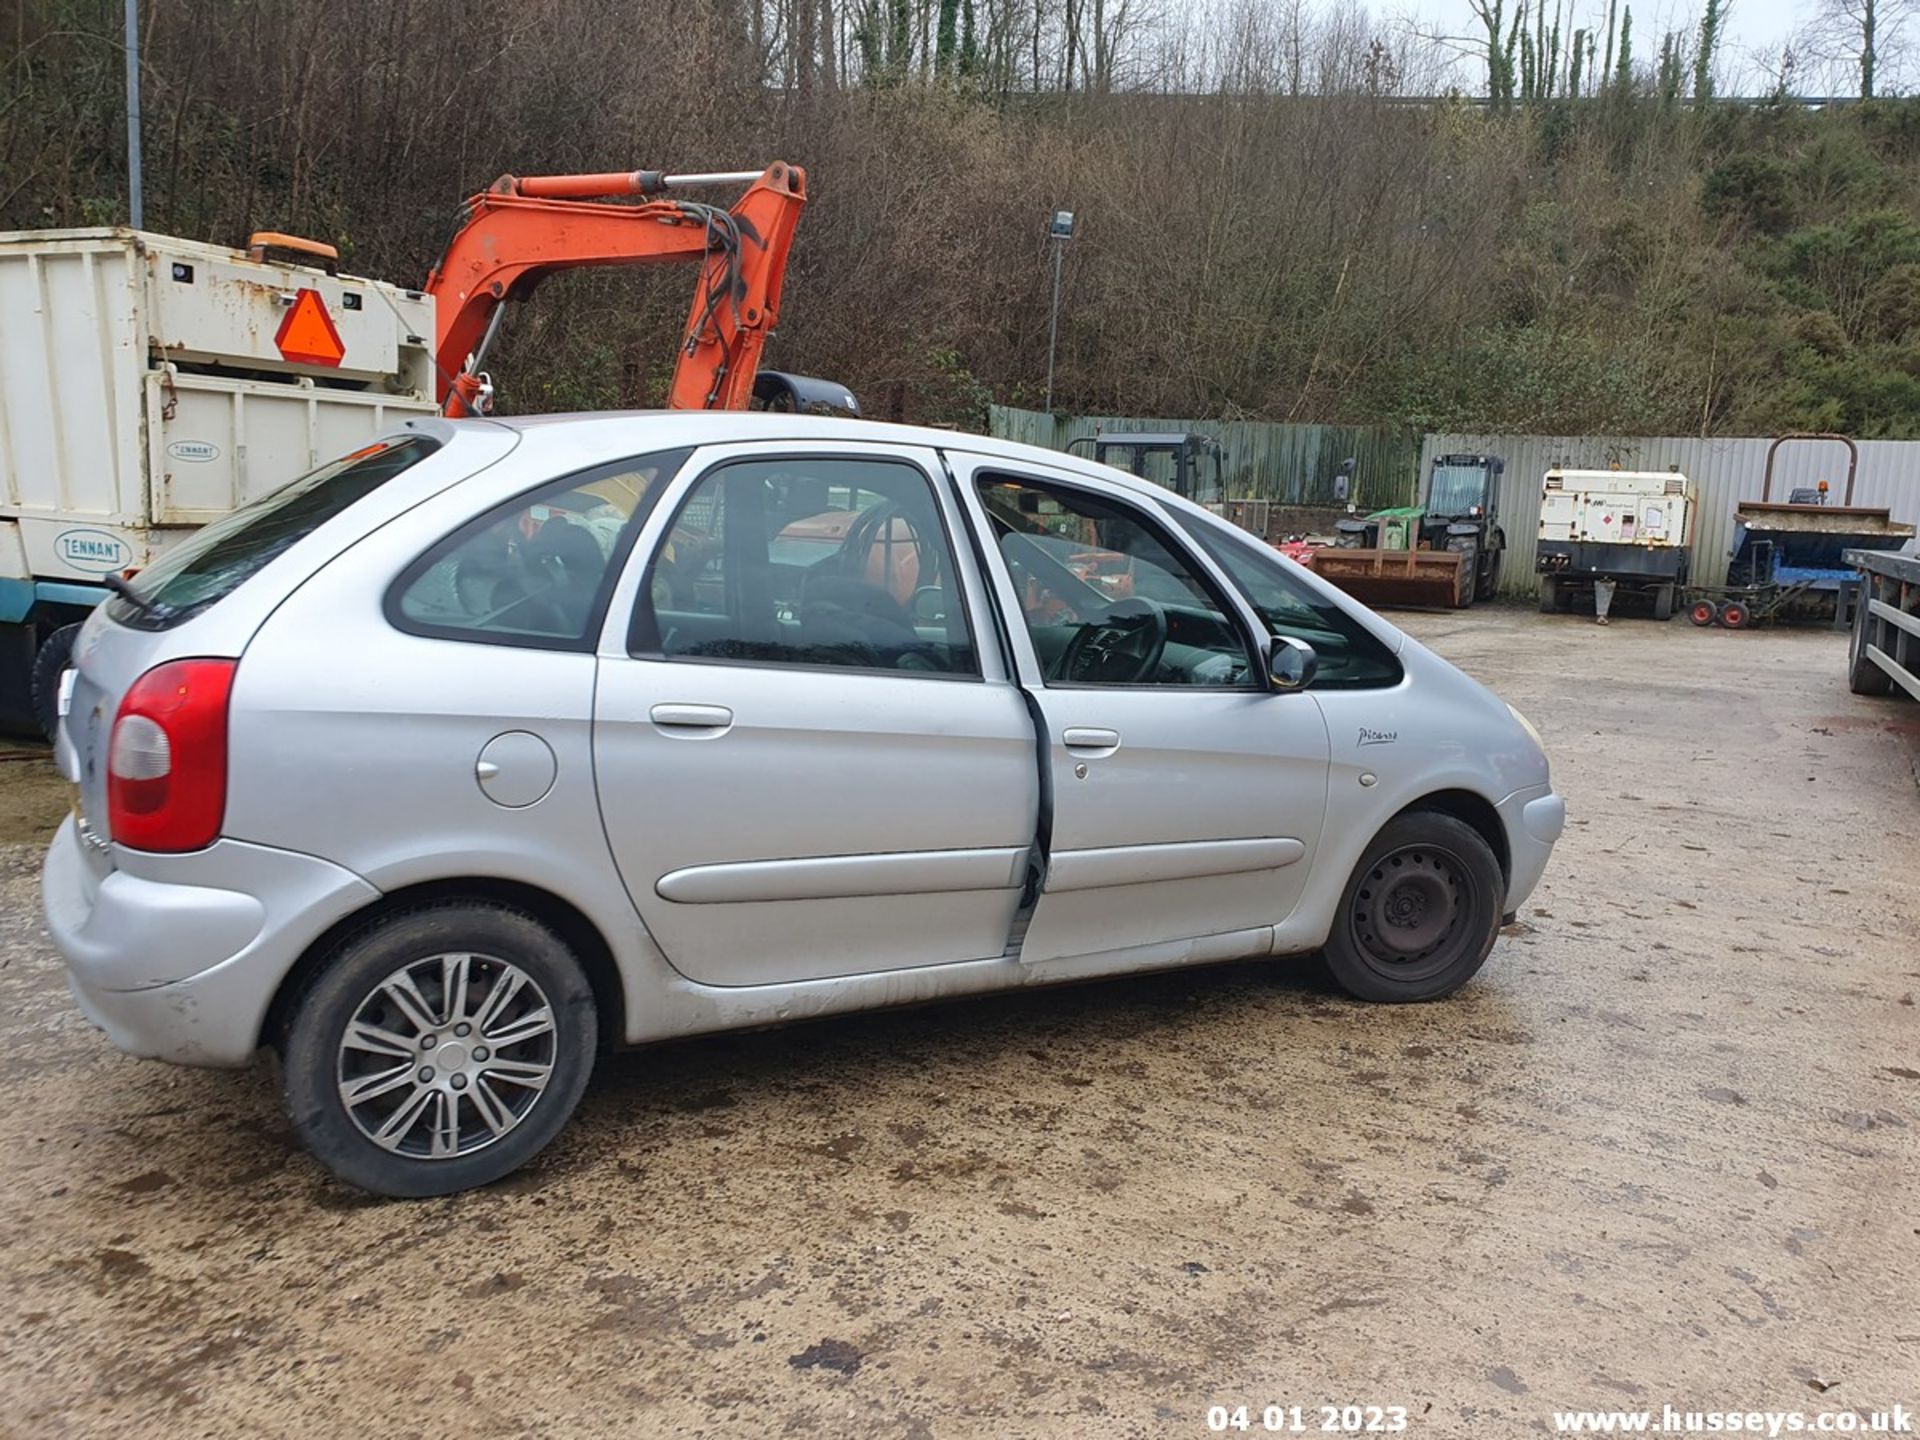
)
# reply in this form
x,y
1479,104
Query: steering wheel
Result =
x,y
1122,647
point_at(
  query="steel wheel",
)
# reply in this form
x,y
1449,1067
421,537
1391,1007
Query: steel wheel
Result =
x,y
1420,912
1407,908
446,1055
1703,612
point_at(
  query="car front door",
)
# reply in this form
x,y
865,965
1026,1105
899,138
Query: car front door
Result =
x,y
807,764
1187,796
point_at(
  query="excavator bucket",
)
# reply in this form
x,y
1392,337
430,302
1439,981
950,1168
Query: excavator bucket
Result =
x,y
1432,578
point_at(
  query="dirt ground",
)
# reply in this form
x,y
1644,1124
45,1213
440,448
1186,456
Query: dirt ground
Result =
x,y
1664,1150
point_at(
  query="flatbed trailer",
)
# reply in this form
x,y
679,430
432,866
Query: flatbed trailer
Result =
x,y
1885,649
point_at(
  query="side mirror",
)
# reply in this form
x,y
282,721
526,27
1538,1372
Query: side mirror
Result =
x,y
1291,664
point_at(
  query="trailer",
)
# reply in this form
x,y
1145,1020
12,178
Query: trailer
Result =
x,y
1885,647
1788,557
149,385
1608,531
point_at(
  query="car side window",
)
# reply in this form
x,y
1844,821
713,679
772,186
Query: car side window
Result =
x,y
537,570
809,561
1352,657
1109,598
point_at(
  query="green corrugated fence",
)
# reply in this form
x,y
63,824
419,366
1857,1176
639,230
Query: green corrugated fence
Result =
x,y
1287,464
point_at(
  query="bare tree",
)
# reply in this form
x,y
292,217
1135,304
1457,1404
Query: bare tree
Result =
x,y
1866,37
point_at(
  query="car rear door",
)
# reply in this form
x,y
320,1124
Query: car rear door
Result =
x,y
810,757
1186,806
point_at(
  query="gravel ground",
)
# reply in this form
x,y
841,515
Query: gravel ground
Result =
x,y
1664,1150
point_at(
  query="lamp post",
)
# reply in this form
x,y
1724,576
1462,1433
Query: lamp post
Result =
x,y
1059,230
136,206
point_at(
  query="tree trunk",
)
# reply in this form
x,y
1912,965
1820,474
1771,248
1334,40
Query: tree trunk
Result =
x,y
1869,24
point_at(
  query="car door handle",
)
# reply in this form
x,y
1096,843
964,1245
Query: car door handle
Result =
x,y
691,717
1090,737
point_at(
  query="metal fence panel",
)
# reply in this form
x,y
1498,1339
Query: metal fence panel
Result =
x,y
1724,472
1285,464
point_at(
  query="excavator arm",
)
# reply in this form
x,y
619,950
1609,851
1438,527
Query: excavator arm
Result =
x,y
524,228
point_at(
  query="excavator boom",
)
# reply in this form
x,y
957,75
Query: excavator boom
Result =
x,y
523,228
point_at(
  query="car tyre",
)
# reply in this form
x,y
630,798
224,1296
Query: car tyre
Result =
x,y
1487,585
49,664
483,1110
1864,677
1420,914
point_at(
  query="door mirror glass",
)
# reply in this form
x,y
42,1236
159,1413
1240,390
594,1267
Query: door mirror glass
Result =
x,y
1291,663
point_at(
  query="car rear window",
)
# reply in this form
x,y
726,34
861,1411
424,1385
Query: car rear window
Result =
x,y
217,559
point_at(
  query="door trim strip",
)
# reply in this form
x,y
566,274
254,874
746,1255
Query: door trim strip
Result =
x,y
846,877
1150,864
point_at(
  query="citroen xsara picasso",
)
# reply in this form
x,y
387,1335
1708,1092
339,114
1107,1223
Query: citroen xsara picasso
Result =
x,y
495,743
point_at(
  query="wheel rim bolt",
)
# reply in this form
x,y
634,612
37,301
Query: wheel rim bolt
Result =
x,y
480,1052
426,1073
427,1042
459,1082
463,1030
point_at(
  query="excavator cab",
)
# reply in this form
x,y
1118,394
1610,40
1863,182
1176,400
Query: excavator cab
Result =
x,y
802,394
1192,466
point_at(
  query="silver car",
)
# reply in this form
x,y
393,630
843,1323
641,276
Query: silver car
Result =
x,y
494,743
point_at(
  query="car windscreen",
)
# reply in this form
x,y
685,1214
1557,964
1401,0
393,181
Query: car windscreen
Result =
x,y
217,559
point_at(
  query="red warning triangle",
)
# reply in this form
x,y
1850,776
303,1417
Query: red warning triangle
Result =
x,y
306,336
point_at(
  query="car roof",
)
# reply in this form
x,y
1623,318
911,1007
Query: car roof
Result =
x,y
612,434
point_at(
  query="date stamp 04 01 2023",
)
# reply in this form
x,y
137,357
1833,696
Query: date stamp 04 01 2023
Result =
x,y
1308,1419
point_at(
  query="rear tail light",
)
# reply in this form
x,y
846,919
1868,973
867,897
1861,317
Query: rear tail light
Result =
x,y
167,760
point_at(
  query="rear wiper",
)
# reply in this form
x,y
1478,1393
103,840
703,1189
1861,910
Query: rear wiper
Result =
x,y
133,597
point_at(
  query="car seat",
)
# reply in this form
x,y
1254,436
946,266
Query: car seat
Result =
x,y
858,622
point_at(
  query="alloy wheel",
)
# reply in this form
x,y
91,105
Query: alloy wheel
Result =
x,y
446,1055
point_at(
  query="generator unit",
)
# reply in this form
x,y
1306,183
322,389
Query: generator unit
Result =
x,y
1632,528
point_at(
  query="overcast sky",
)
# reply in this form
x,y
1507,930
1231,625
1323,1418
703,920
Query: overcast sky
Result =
x,y
1754,29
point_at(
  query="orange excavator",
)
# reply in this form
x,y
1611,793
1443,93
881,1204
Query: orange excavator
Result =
x,y
523,228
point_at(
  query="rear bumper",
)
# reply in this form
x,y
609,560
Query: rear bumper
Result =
x,y
1533,819
178,957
